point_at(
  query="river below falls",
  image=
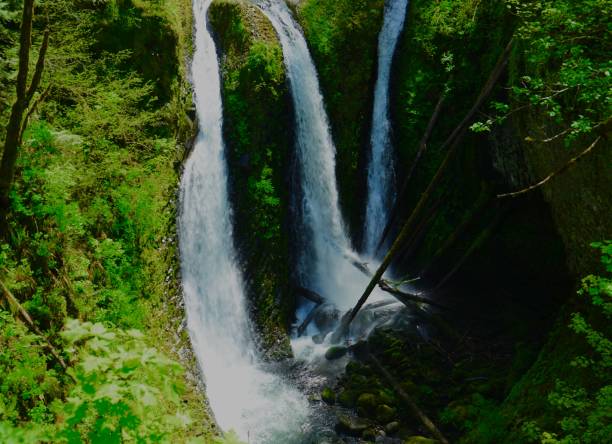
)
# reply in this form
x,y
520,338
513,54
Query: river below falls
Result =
x,y
267,403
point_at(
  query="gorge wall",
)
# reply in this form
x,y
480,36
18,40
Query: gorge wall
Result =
x,y
525,255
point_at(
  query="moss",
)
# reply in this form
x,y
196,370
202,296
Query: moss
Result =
x,y
328,396
257,122
342,36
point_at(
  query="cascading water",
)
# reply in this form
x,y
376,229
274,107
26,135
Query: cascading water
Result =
x,y
380,170
257,404
327,263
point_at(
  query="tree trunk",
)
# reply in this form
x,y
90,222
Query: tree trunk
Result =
x,y
481,205
414,408
23,97
422,148
482,237
455,137
14,303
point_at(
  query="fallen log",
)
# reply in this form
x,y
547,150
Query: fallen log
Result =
x,y
307,320
477,243
482,204
361,267
420,232
422,147
455,137
414,408
406,298
310,295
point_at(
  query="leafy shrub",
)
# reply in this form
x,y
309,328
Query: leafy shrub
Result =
x,y
126,391
585,410
26,384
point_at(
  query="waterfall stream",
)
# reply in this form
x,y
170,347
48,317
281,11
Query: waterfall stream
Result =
x,y
257,404
380,170
326,254
262,402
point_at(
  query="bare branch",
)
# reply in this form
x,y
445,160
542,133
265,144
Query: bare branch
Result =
x,y
553,174
38,72
39,100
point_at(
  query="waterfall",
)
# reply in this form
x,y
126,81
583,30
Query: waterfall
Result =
x,y
257,404
381,192
326,254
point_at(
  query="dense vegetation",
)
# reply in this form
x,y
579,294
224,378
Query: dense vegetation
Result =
x,y
92,340
551,106
257,128
90,231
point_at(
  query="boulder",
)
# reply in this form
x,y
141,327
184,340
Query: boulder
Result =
x,y
335,352
384,413
366,405
326,317
318,339
392,428
328,396
351,426
347,398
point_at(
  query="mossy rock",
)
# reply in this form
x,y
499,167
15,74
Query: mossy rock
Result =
x,y
367,404
384,413
351,426
335,352
369,434
420,440
328,396
347,398
392,428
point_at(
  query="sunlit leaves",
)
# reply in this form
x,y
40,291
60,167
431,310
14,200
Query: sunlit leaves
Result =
x,y
566,73
585,410
125,389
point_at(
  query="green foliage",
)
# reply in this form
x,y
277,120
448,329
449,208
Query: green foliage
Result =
x,y
26,384
9,434
480,416
585,410
342,36
90,207
125,391
567,70
447,18
257,124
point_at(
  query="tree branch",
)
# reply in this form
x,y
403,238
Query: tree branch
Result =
x,y
422,148
38,72
416,411
39,100
406,231
571,162
14,303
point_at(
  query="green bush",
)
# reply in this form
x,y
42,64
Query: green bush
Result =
x,y
584,411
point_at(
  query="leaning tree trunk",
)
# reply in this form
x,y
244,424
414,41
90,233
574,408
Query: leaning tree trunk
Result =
x,y
24,95
421,150
406,231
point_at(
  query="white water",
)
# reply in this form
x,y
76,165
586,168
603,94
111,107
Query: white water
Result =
x,y
325,265
381,192
258,405
326,255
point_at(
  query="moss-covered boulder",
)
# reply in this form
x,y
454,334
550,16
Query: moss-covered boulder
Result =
x,y
351,426
328,396
367,404
335,352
